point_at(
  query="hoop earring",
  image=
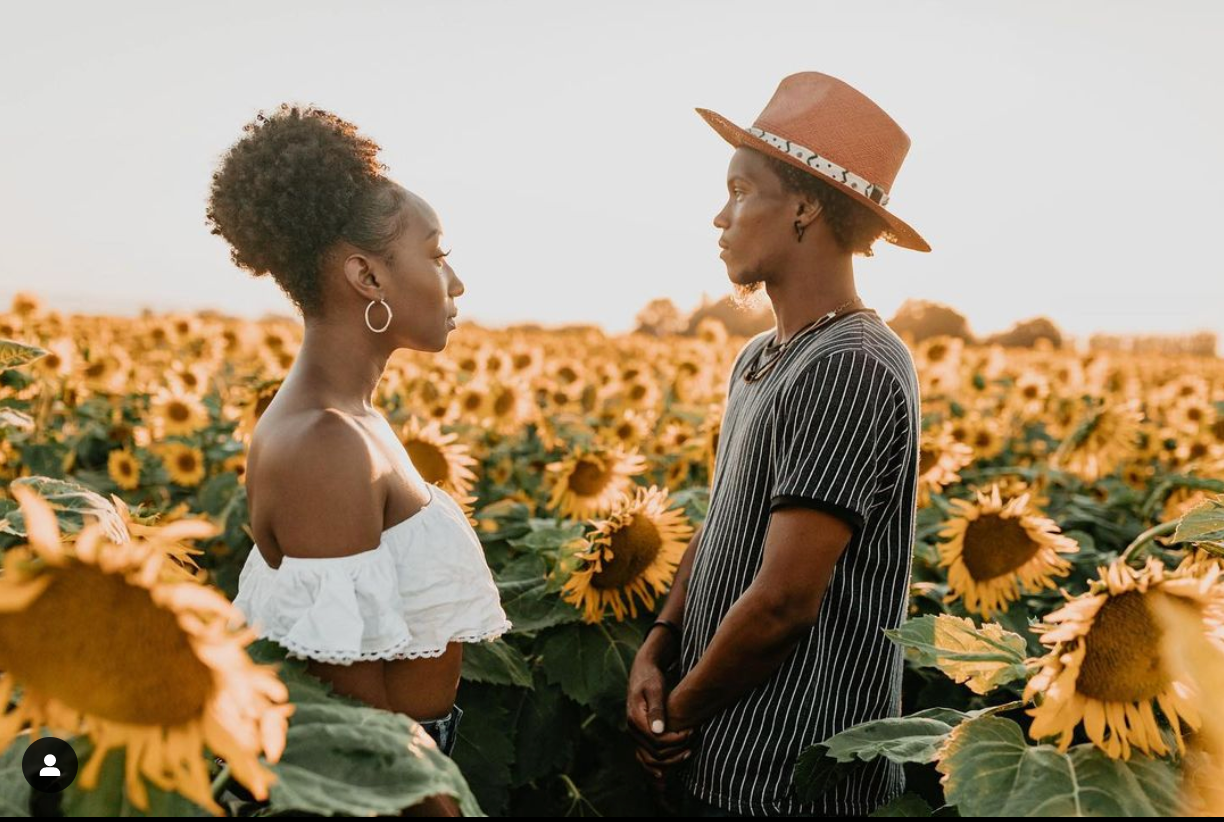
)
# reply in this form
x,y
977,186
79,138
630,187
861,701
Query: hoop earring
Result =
x,y
799,232
386,325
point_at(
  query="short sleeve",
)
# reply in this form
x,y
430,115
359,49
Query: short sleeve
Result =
x,y
832,422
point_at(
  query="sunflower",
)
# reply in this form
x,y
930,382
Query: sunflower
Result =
x,y
993,548
627,430
939,460
437,457
236,463
1102,440
124,469
184,463
1192,655
169,532
177,414
1105,667
510,406
171,680
590,482
711,331
632,554
260,397
473,401
1032,389
191,378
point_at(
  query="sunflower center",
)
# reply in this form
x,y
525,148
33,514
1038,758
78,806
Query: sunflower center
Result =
x,y
125,467
1119,663
178,412
186,461
926,460
429,461
503,403
634,548
588,478
995,546
145,673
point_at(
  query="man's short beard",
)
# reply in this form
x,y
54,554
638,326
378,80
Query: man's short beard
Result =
x,y
745,295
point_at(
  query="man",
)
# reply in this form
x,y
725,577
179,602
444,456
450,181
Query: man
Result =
x,y
775,622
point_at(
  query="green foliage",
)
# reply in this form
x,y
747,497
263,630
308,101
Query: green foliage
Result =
x,y
342,757
990,770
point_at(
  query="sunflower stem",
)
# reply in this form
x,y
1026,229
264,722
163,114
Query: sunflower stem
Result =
x,y
1147,536
1006,706
219,783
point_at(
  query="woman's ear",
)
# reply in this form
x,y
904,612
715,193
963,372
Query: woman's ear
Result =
x,y
361,276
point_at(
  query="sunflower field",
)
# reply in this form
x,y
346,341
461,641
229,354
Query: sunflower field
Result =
x,y
1065,638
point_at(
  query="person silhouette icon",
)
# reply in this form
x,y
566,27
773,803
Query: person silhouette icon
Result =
x,y
50,770
49,764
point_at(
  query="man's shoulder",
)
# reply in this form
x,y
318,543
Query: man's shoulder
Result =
x,y
864,342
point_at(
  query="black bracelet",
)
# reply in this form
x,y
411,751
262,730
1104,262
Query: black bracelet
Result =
x,y
669,624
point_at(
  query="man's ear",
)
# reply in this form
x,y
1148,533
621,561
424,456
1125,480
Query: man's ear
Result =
x,y
807,211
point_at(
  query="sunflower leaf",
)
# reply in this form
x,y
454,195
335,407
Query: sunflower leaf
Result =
x,y
907,804
983,658
1203,523
487,744
71,503
15,792
17,420
13,353
527,599
110,797
591,662
497,663
990,770
913,738
544,713
357,761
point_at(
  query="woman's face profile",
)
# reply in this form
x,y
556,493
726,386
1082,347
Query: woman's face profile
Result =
x,y
421,286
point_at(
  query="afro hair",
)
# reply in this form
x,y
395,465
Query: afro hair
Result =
x,y
294,184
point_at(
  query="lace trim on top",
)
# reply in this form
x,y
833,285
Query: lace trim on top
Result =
x,y
425,585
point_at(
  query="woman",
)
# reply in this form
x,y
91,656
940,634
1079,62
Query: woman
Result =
x,y
359,566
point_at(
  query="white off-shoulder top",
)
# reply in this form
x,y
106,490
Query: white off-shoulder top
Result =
x,y
424,585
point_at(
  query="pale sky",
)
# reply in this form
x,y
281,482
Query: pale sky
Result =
x,y
1066,157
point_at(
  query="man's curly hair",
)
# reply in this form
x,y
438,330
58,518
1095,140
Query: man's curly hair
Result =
x,y
855,227
294,184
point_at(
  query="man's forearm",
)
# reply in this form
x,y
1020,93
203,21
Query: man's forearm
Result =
x,y
751,643
661,644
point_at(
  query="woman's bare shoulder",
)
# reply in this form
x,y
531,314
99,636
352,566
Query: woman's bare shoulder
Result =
x,y
318,476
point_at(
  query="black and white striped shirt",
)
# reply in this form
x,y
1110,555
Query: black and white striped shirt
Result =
x,y
834,426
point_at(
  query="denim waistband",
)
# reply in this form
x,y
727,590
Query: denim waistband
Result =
x,y
444,730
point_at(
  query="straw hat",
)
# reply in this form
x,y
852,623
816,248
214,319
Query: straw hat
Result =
x,y
827,128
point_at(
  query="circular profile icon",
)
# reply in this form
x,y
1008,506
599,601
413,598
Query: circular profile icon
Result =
x,y
49,764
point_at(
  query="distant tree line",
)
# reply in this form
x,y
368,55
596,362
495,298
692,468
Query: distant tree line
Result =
x,y
915,321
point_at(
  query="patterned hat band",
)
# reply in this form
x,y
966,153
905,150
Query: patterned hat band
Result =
x,y
823,165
